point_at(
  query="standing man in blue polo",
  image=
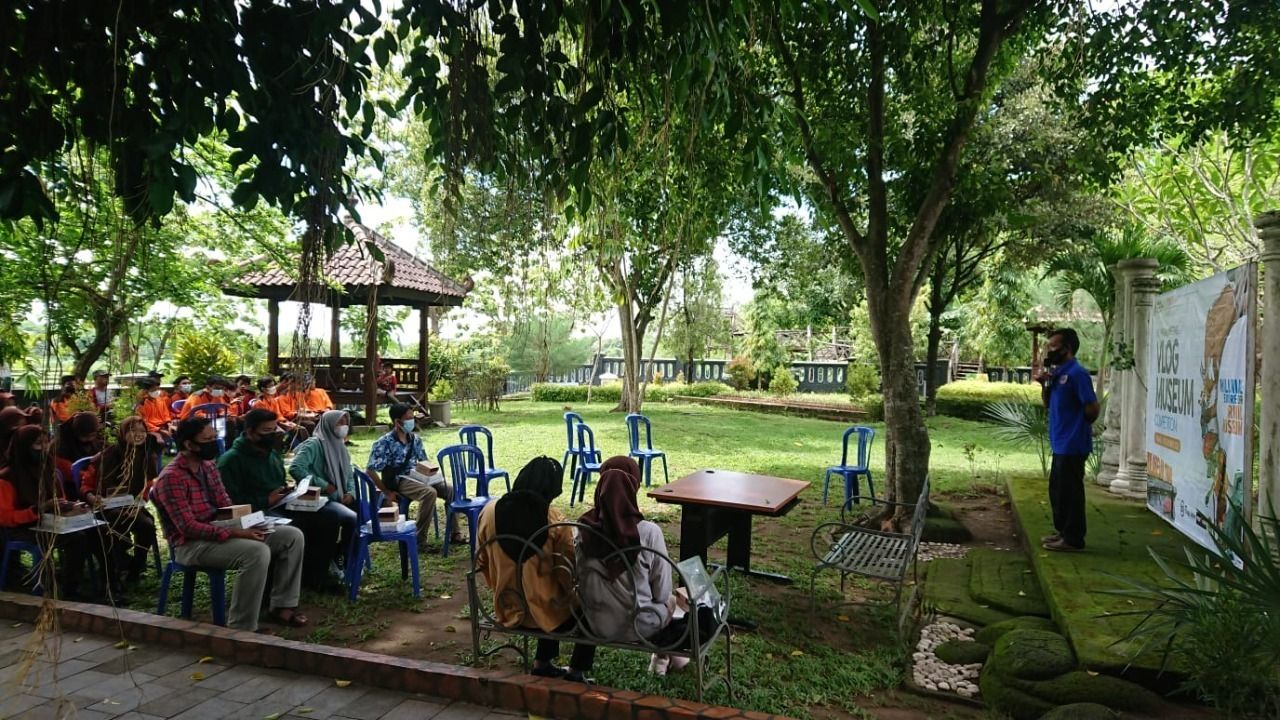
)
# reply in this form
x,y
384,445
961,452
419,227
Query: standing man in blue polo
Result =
x,y
1067,390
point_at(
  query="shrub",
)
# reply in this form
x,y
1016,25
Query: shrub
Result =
x,y
740,372
862,379
201,355
612,392
782,382
969,399
1022,423
442,391
873,406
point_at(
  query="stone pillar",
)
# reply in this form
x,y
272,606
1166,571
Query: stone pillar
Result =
x,y
1131,479
1268,225
1112,435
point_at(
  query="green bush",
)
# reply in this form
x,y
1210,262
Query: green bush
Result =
x,y
783,383
441,391
862,379
201,355
962,652
740,372
612,392
873,405
969,399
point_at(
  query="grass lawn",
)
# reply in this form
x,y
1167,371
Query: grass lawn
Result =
x,y
831,665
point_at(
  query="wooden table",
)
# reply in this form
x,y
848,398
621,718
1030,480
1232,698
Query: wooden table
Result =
x,y
719,502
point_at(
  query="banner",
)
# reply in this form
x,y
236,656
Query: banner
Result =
x,y
1200,404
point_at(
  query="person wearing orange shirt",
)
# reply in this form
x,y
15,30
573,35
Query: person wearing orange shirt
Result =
x,y
70,402
181,389
217,391
153,408
244,395
314,398
269,398
291,405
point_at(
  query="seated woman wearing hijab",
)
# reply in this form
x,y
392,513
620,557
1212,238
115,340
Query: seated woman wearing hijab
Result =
x,y
325,459
11,418
28,489
617,607
128,467
536,566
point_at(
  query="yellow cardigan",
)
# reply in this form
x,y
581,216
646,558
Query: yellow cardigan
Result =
x,y
544,582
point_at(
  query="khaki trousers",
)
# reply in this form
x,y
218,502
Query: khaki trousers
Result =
x,y
252,558
425,494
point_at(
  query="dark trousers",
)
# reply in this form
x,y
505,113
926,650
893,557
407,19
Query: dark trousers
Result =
x,y
1066,497
584,656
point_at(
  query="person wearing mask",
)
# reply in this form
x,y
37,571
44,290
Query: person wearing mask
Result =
x,y
617,606
392,466
1067,391
188,494
529,568
243,396
269,399
154,410
315,399
29,487
11,418
291,403
217,391
101,393
128,467
324,458
80,437
182,388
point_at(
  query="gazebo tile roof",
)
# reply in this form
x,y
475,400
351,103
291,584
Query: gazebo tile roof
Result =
x,y
353,266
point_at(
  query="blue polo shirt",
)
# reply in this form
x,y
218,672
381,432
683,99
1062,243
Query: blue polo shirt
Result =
x,y
1070,390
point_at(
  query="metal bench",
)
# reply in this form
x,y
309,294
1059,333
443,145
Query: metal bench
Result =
x,y
856,550
695,643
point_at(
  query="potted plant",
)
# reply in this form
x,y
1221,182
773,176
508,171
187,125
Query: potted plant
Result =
x,y
440,402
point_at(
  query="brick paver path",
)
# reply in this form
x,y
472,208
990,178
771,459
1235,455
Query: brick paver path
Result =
x,y
93,679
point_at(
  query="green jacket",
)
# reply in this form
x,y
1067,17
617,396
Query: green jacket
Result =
x,y
308,459
250,473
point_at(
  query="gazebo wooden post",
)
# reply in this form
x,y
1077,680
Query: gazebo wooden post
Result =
x,y
273,336
424,333
371,362
335,343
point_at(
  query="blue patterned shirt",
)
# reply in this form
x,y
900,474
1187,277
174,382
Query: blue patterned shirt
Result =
x,y
391,458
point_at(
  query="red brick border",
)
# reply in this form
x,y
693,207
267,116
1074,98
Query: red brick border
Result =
x,y
492,688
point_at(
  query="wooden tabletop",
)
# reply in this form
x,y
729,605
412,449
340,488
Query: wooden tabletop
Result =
x,y
760,494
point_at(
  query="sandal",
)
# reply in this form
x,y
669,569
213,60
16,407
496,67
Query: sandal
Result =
x,y
292,619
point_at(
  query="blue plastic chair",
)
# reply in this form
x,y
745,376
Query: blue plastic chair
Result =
x,y
368,499
588,462
175,407
467,435
644,455
455,459
17,547
573,453
218,414
217,585
849,472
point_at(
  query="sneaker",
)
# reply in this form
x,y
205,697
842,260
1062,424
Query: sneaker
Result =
x,y
1061,545
658,664
678,663
550,670
578,676
1051,538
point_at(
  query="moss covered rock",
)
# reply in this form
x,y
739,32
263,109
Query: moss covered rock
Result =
x,y
945,530
1000,695
993,632
1082,687
1080,711
1004,580
1032,655
962,652
946,590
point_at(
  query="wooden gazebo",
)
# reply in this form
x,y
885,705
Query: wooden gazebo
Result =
x,y
399,278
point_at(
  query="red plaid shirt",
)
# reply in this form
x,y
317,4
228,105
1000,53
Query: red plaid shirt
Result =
x,y
189,495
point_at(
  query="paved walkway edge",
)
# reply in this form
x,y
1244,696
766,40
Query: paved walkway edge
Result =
x,y
492,688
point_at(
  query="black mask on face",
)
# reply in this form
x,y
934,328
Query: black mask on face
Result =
x,y
266,442
207,450
1055,357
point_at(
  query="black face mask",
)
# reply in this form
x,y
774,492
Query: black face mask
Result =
x,y
207,450
1055,357
266,442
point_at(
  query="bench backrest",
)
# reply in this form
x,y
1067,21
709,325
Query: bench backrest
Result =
x,y
922,510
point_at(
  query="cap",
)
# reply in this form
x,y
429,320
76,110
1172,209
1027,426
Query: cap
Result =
x,y
101,373
155,374
147,382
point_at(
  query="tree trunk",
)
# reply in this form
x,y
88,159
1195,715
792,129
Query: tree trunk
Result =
x,y
906,437
936,307
633,330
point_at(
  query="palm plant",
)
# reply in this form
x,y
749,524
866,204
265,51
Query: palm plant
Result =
x,y
1021,422
1220,613
1087,267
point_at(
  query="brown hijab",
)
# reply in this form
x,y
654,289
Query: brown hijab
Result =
x,y
615,519
11,418
28,473
626,464
81,425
